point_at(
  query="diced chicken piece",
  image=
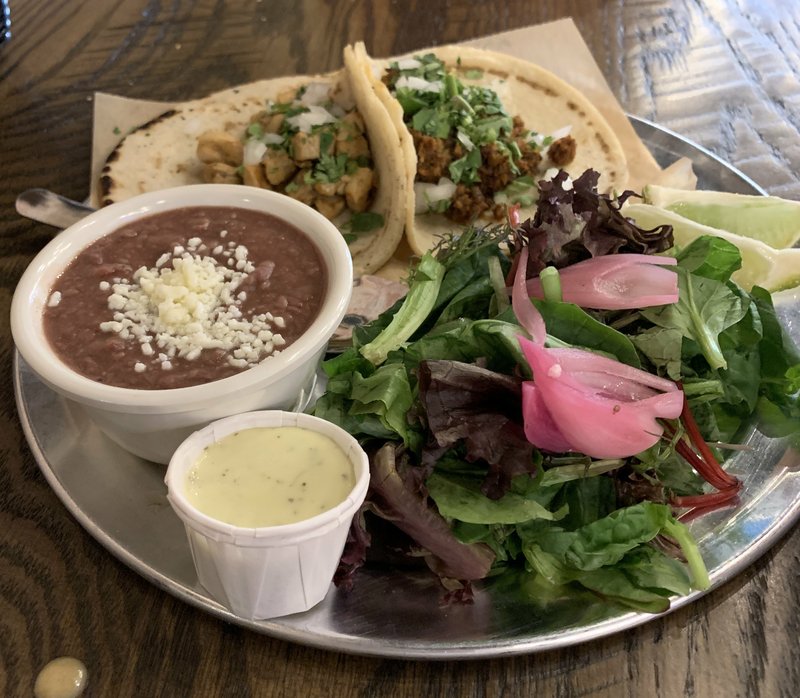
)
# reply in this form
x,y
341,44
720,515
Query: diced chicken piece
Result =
x,y
274,123
342,95
305,146
270,123
329,188
357,189
254,176
278,166
287,96
299,189
220,173
330,206
219,146
353,122
354,146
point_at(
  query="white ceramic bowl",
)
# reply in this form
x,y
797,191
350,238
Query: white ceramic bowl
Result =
x,y
269,571
152,423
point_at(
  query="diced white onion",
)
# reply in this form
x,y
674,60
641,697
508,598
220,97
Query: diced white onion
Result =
x,y
465,140
560,133
414,83
315,116
408,64
253,152
272,138
338,111
315,93
426,194
537,139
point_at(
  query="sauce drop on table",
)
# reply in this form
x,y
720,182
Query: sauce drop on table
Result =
x,y
64,677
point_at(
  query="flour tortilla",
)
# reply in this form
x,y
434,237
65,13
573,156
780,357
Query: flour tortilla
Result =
x,y
543,101
161,154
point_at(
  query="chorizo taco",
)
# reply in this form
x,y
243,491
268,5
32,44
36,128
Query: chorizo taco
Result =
x,y
479,129
303,136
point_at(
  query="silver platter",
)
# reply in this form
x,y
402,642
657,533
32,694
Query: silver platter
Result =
x,y
120,500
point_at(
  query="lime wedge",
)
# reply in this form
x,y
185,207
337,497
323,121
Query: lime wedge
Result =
x,y
762,265
770,219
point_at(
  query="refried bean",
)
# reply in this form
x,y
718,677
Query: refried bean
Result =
x,y
282,281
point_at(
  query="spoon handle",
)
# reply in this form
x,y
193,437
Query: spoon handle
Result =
x,y
50,208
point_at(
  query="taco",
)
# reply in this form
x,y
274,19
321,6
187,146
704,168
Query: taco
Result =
x,y
303,136
479,129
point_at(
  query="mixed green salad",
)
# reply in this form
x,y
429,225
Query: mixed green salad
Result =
x,y
554,396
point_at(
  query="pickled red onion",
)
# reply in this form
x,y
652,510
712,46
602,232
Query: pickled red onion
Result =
x,y
616,282
580,401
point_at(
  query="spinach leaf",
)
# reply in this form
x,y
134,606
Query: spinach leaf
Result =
x,y
705,308
587,500
615,585
462,499
573,325
662,347
710,257
605,541
651,569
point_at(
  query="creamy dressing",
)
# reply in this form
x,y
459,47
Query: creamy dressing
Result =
x,y
267,476
64,677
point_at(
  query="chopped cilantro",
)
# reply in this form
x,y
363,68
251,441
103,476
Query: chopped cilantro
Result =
x,y
291,187
330,168
409,100
255,130
439,206
117,131
473,74
465,169
325,142
432,122
521,191
365,221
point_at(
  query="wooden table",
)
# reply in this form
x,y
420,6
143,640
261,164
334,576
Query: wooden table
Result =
x,y
726,73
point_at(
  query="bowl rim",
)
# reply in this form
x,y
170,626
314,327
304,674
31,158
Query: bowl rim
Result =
x,y
33,291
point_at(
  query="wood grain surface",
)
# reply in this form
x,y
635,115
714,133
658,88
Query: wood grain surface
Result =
x,y
726,73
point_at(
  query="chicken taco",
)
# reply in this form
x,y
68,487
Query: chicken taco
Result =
x,y
478,129
302,136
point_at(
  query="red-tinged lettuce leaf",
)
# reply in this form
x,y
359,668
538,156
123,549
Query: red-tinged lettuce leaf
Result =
x,y
481,408
397,495
576,223
354,553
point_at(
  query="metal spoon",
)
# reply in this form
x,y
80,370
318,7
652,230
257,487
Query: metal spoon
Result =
x,y
50,208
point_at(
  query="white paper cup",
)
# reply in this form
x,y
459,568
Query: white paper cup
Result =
x,y
269,571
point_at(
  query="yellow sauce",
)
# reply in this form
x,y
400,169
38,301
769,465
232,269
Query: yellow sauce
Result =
x,y
64,677
267,476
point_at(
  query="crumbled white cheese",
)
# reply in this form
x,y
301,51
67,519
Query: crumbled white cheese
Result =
x,y
54,300
191,305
